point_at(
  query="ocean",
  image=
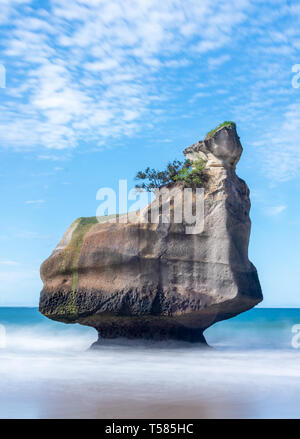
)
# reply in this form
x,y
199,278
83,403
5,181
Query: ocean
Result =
x,y
252,370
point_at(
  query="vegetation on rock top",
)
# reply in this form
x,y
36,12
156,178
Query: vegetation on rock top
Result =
x,y
227,123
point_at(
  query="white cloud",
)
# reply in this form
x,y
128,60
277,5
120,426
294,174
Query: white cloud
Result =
x,y
51,157
8,262
275,210
35,202
82,71
88,67
7,8
279,147
217,61
198,96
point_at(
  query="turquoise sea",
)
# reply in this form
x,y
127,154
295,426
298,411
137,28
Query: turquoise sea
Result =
x,y
251,371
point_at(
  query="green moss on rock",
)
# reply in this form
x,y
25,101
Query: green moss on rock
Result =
x,y
70,262
83,226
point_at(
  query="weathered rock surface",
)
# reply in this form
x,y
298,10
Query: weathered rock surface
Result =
x,y
148,280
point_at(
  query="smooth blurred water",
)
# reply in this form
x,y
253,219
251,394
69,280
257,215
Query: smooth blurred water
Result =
x,y
48,371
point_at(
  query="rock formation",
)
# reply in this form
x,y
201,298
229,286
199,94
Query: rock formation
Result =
x,y
153,280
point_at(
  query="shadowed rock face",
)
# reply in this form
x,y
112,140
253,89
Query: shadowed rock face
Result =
x,y
147,280
223,149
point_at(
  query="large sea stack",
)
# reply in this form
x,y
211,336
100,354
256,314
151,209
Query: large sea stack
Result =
x,y
154,280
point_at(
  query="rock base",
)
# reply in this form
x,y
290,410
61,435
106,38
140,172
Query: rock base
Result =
x,y
146,328
151,332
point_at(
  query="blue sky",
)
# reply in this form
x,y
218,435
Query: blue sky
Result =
x,y
99,89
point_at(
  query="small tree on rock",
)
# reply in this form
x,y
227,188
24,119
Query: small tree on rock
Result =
x,y
191,173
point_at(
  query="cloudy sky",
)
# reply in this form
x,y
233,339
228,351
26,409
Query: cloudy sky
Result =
x,y
98,89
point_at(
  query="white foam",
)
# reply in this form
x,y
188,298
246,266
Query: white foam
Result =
x,y
54,374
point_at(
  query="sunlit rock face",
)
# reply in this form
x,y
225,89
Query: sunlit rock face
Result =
x,y
154,280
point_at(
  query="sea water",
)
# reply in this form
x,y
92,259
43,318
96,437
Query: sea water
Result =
x,y
252,370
